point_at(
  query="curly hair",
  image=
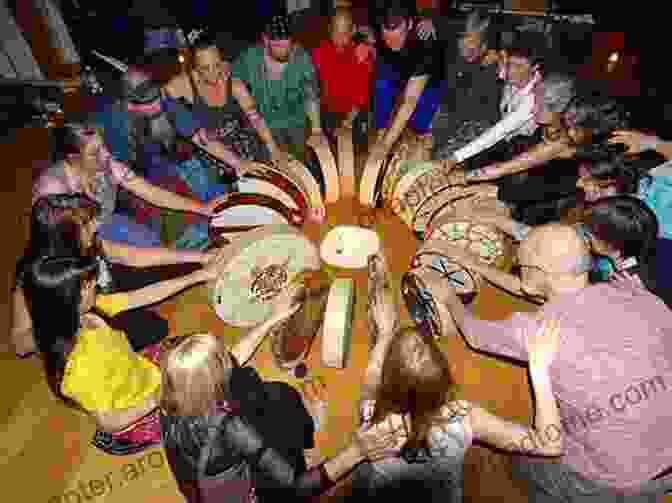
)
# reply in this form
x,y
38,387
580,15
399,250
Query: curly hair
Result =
x,y
598,114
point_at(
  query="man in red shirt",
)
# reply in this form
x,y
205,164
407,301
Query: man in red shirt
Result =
x,y
345,69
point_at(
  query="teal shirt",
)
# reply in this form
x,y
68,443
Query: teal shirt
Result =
x,y
281,102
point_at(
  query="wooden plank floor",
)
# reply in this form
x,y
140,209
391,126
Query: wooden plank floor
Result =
x,y
45,454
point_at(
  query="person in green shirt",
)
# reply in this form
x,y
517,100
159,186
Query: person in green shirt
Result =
x,y
281,78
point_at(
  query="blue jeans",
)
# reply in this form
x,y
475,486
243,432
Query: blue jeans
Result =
x,y
387,88
558,483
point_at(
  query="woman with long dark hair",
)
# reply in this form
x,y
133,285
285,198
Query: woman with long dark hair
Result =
x,y
91,365
624,230
66,225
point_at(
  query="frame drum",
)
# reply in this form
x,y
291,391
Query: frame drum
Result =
x,y
424,291
242,212
329,169
258,265
346,161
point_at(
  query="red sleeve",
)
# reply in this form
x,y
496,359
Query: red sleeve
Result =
x,y
361,89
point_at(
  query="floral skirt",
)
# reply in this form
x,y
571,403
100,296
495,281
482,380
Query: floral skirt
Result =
x,y
144,433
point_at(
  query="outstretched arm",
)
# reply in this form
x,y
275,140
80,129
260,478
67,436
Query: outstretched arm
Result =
x,y
412,93
545,436
536,156
134,256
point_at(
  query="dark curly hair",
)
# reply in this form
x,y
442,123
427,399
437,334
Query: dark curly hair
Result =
x,y
596,113
625,173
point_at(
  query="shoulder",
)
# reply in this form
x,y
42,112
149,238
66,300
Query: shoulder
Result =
x,y
178,86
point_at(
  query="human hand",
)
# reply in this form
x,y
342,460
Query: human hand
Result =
x,y
288,301
317,215
318,136
382,440
382,308
635,141
542,347
213,264
627,280
201,138
426,29
279,157
208,209
379,151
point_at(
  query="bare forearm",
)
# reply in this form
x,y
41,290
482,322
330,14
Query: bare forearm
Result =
x,y
344,461
537,156
162,290
247,346
504,280
399,123
149,257
374,370
546,416
165,199
313,113
664,148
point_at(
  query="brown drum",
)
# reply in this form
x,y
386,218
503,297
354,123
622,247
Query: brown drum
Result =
x,y
455,201
346,161
241,212
258,265
425,291
291,339
433,272
260,178
329,168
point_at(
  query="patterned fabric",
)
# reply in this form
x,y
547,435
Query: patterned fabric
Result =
x,y
466,132
144,433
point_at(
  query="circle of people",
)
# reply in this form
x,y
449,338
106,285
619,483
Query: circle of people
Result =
x,y
489,114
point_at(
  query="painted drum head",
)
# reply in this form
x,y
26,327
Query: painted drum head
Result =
x,y
258,265
349,246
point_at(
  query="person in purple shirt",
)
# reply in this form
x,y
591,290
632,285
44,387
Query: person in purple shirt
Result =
x,y
612,375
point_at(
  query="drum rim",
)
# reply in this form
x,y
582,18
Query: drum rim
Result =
x,y
423,170
329,169
417,282
438,193
476,279
295,218
270,174
248,239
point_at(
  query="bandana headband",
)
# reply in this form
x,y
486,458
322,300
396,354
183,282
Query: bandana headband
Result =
x,y
278,28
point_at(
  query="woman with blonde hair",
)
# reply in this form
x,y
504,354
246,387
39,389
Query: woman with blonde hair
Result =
x,y
231,437
409,374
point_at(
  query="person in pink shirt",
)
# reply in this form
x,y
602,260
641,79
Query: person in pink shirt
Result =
x,y
611,377
345,68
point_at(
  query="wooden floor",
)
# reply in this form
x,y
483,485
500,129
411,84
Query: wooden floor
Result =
x,y
45,454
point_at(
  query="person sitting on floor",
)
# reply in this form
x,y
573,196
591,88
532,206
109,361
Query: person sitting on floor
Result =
x,y
470,105
89,364
339,58
60,223
282,79
89,167
220,424
221,104
614,343
408,69
521,99
409,374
